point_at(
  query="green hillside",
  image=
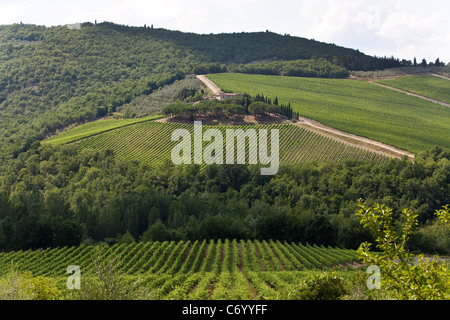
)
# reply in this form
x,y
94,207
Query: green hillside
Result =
x,y
352,106
150,142
93,128
245,47
53,76
86,180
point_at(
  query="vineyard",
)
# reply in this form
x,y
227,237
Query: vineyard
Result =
x,y
150,143
426,85
214,269
357,107
75,133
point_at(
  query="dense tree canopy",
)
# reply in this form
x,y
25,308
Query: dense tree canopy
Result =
x,y
52,196
298,68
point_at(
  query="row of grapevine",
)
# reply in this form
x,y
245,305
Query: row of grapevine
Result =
x,y
174,257
299,145
150,142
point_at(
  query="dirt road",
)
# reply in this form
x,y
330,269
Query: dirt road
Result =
x,y
413,94
359,141
438,75
211,85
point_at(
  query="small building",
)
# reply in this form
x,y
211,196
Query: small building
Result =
x,y
222,95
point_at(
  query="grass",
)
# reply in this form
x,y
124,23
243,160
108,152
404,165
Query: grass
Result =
x,y
358,107
426,85
93,128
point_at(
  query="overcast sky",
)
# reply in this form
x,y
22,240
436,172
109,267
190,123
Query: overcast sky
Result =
x,y
404,28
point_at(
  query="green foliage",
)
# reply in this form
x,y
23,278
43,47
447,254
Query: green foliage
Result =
x,y
298,68
402,71
358,107
150,142
127,238
64,195
15,285
161,257
323,286
432,238
444,214
188,89
245,47
77,75
425,280
74,133
205,68
107,283
221,269
205,109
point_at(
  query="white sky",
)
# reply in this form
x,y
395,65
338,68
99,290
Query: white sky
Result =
x,y
404,28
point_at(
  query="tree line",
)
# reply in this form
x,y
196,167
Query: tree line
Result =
x,y
320,68
259,106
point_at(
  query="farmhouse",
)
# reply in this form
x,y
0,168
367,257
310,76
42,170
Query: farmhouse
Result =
x,y
222,95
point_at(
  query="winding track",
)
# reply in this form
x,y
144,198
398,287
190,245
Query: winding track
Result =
x,y
413,94
353,139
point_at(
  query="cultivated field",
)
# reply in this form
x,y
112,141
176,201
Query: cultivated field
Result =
x,y
200,270
150,142
357,107
75,133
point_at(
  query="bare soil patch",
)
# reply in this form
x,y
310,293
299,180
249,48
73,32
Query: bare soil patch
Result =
x,y
209,84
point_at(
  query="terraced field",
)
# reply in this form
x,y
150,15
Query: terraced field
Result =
x,y
150,142
200,270
357,107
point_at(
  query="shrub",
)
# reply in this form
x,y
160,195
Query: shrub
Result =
x,y
323,286
23,286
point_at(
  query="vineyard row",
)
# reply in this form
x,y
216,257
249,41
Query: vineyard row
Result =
x,y
182,257
150,142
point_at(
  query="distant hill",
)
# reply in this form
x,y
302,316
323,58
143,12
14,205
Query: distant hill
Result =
x,y
246,47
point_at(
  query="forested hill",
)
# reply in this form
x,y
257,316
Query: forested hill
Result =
x,y
246,47
52,77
